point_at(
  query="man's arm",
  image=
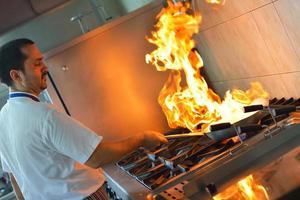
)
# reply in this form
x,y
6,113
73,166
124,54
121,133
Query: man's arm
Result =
x,y
71,138
16,187
108,152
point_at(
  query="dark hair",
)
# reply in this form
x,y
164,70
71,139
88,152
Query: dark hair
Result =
x,y
11,57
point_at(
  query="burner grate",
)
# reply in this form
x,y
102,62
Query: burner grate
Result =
x,y
158,167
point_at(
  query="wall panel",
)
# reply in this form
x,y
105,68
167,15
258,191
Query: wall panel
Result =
x,y
269,83
292,82
276,39
289,13
260,45
235,50
232,9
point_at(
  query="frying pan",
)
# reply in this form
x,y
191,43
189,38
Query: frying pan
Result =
x,y
221,134
224,130
255,113
251,123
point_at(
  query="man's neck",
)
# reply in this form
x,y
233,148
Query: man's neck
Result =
x,y
12,89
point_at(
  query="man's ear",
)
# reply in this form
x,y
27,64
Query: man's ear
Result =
x,y
15,75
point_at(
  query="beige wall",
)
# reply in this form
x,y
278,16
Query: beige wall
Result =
x,y
108,86
252,40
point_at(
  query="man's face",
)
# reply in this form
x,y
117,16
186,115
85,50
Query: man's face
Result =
x,y
34,78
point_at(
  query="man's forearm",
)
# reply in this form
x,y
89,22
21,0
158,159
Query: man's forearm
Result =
x,y
108,152
125,146
16,187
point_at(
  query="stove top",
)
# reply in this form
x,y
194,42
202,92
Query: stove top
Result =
x,y
178,156
171,166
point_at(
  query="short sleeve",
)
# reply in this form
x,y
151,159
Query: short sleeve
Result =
x,y
5,167
69,137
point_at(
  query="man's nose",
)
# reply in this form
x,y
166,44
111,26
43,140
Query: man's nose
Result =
x,y
45,67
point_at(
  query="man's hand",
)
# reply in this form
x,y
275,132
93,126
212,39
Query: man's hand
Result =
x,y
152,139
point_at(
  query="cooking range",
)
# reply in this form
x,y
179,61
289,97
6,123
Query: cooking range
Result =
x,y
192,166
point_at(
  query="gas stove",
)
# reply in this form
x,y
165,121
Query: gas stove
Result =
x,y
199,167
154,169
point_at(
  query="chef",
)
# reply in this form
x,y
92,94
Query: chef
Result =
x,y
49,155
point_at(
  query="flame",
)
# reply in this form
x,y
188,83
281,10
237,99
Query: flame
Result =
x,y
245,189
187,101
216,2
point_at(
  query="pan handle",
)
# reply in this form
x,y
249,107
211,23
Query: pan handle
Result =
x,y
253,108
249,128
184,135
283,110
220,126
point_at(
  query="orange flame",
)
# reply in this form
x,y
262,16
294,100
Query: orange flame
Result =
x,y
216,2
188,101
245,189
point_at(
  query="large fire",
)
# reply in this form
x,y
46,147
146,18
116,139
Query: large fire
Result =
x,y
245,189
185,98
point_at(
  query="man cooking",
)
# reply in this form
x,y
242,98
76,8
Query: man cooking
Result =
x,y
48,154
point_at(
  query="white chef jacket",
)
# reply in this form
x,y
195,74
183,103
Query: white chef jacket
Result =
x,y
45,150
